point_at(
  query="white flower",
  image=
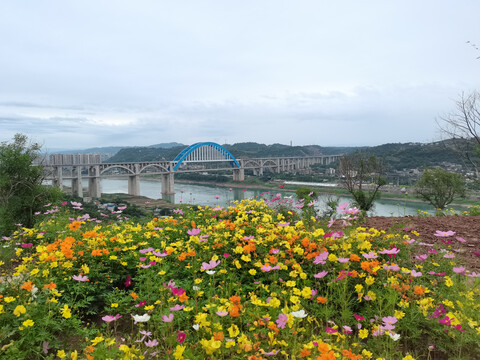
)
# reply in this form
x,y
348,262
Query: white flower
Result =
x,y
196,326
299,314
196,288
141,318
393,335
210,272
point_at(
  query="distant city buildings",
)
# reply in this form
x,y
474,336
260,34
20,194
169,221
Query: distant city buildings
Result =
x,y
75,159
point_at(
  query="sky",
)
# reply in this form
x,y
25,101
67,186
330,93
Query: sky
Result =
x,y
93,73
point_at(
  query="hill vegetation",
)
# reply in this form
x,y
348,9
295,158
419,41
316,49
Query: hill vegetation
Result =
x,y
396,156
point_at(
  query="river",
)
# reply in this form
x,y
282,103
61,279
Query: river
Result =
x,y
220,196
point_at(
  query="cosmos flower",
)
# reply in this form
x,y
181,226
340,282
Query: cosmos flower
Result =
x,y
81,278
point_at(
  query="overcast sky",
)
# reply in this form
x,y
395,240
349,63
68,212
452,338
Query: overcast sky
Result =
x,y
79,74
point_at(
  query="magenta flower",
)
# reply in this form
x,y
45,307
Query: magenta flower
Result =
x,y
421,257
128,281
331,330
181,337
210,265
359,317
26,245
110,318
282,321
347,329
444,233
168,318
81,278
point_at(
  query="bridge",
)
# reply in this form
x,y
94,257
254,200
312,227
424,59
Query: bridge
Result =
x,y
194,158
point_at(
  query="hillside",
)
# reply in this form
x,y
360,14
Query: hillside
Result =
x,y
397,156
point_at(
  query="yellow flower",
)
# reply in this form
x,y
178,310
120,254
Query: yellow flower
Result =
x,y
252,271
399,314
9,299
307,292
233,331
290,283
61,354
369,280
114,305
448,281
19,310
74,355
408,357
366,354
363,333
358,288
210,345
178,353
28,323
97,340
66,312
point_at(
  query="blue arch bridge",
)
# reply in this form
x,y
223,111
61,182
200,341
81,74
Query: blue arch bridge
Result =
x,y
199,157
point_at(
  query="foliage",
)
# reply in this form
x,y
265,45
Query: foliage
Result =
x,y
361,175
21,189
462,128
440,187
239,283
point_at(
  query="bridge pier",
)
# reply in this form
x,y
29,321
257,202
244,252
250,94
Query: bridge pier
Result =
x,y
94,187
133,185
58,177
77,186
168,184
239,174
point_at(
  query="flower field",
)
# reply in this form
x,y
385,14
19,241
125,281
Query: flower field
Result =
x,y
246,282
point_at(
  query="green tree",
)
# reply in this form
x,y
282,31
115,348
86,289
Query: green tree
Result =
x,y
439,187
21,189
361,175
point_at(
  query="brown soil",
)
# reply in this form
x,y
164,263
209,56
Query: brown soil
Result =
x,y
466,227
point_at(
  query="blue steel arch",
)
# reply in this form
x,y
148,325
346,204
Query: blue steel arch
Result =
x,y
187,151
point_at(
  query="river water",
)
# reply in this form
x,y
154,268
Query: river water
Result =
x,y
207,195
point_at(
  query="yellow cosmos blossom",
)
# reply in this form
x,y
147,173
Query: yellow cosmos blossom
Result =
x,y
66,312
61,354
448,281
9,299
363,333
28,323
19,310
85,269
233,331
369,280
97,340
210,345
252,272
178,353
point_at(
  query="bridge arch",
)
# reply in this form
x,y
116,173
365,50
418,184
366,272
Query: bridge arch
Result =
x,y
115,166
194,149
155,166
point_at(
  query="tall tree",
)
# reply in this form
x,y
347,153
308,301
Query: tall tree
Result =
x,y
462,127
21,189
361,175
440,187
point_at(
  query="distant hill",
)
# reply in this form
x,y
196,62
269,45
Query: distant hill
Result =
x,y
115,149
397,156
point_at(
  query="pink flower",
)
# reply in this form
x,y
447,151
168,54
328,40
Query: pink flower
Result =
x,y
320,259
459,270
211,265
282,321
193,232
177,307
331,330
283,224
226,255
460,239
222,313
110,318
358,317
159,254
151,343
370,255
26,245
144,251
392,251
320,274
343,260
81,278
128,281
168,318
444,233
347,329
416,273
273,352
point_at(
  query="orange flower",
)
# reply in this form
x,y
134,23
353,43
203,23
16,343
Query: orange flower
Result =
x,y
354,257
27,286
50,286
419,290
305,353
349,354
218,336
134,295
321,300
183,297
75,225
323,348
97,252
329,356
